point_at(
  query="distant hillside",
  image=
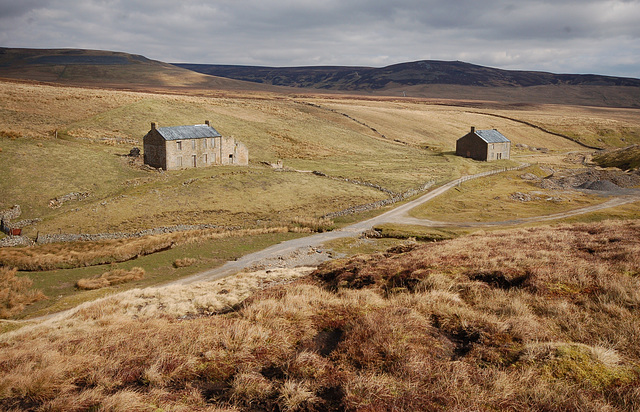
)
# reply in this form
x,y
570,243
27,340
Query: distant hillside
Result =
x,y
407,74
443,79
107,68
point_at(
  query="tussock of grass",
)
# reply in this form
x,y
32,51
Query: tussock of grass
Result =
x,y
78,254
15,293
465,324
113,277
315,224
184,262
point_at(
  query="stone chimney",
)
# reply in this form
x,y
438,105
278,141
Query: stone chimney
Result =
x,y
153,126
473,129
207,123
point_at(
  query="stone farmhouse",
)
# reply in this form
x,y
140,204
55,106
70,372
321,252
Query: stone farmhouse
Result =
x,y
182,147
484,145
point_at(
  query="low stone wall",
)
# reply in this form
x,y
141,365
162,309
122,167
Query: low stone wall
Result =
x,y
380,203
92,237
355,182
10,214
59,201
11,241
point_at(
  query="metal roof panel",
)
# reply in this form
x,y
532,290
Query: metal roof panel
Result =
x,y
492,136
197,131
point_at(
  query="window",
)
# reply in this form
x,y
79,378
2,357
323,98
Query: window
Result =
x,y
206,158
179,145
204,143
194,158
213,142
179,161
193,145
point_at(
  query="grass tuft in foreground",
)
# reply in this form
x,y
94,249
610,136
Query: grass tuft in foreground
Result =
x,y
113,277
16,293
527,319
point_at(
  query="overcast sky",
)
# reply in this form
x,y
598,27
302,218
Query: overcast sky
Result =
x,y
560,36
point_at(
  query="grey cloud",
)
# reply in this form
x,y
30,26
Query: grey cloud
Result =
x,y
11,8
560,35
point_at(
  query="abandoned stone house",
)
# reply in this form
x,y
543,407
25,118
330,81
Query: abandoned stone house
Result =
x,y
484,145
182,147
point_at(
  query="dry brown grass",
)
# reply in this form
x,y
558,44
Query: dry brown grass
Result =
x,y
528,319
314,224
184,262
113,277
78,254
15,293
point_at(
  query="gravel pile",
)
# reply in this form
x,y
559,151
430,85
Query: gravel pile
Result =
x,y
584,177
600,185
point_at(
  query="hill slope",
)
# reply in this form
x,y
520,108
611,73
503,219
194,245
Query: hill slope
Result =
x,y
453,325
107,69
407,74
432,78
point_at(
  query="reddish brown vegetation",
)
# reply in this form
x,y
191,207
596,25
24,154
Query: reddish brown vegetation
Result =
x,y
113,277
15,293
531,319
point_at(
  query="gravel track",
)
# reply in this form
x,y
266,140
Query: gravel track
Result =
x,y
296,252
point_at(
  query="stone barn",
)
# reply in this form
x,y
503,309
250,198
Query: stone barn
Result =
x,y
484,145
182,147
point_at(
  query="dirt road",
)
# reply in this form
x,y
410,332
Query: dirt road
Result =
x,y
307,250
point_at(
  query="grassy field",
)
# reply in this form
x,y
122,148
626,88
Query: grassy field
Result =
x,y
96,127
539,317
502,197
58,140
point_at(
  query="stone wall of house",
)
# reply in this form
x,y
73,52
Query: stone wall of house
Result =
x,y
471,146
233,152
241,154
188,153
154,150
499,151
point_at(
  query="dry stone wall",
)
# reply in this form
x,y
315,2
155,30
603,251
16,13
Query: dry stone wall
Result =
x,y
380,203
92,237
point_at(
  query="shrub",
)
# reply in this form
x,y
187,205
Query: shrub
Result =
x,y
16,293
112,277
184,262
315,224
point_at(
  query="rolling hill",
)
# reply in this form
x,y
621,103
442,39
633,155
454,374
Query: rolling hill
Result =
x,y
406,74
443,80
99,68
421,79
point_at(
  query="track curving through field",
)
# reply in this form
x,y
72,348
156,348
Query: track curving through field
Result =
x,y
398,215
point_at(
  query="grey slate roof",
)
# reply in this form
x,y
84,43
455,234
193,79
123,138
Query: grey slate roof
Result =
x,y
492,136
197,131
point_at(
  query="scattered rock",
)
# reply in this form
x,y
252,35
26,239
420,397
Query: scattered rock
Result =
x,y
528,176
523,197
572,179
135,152
59,201
575,158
